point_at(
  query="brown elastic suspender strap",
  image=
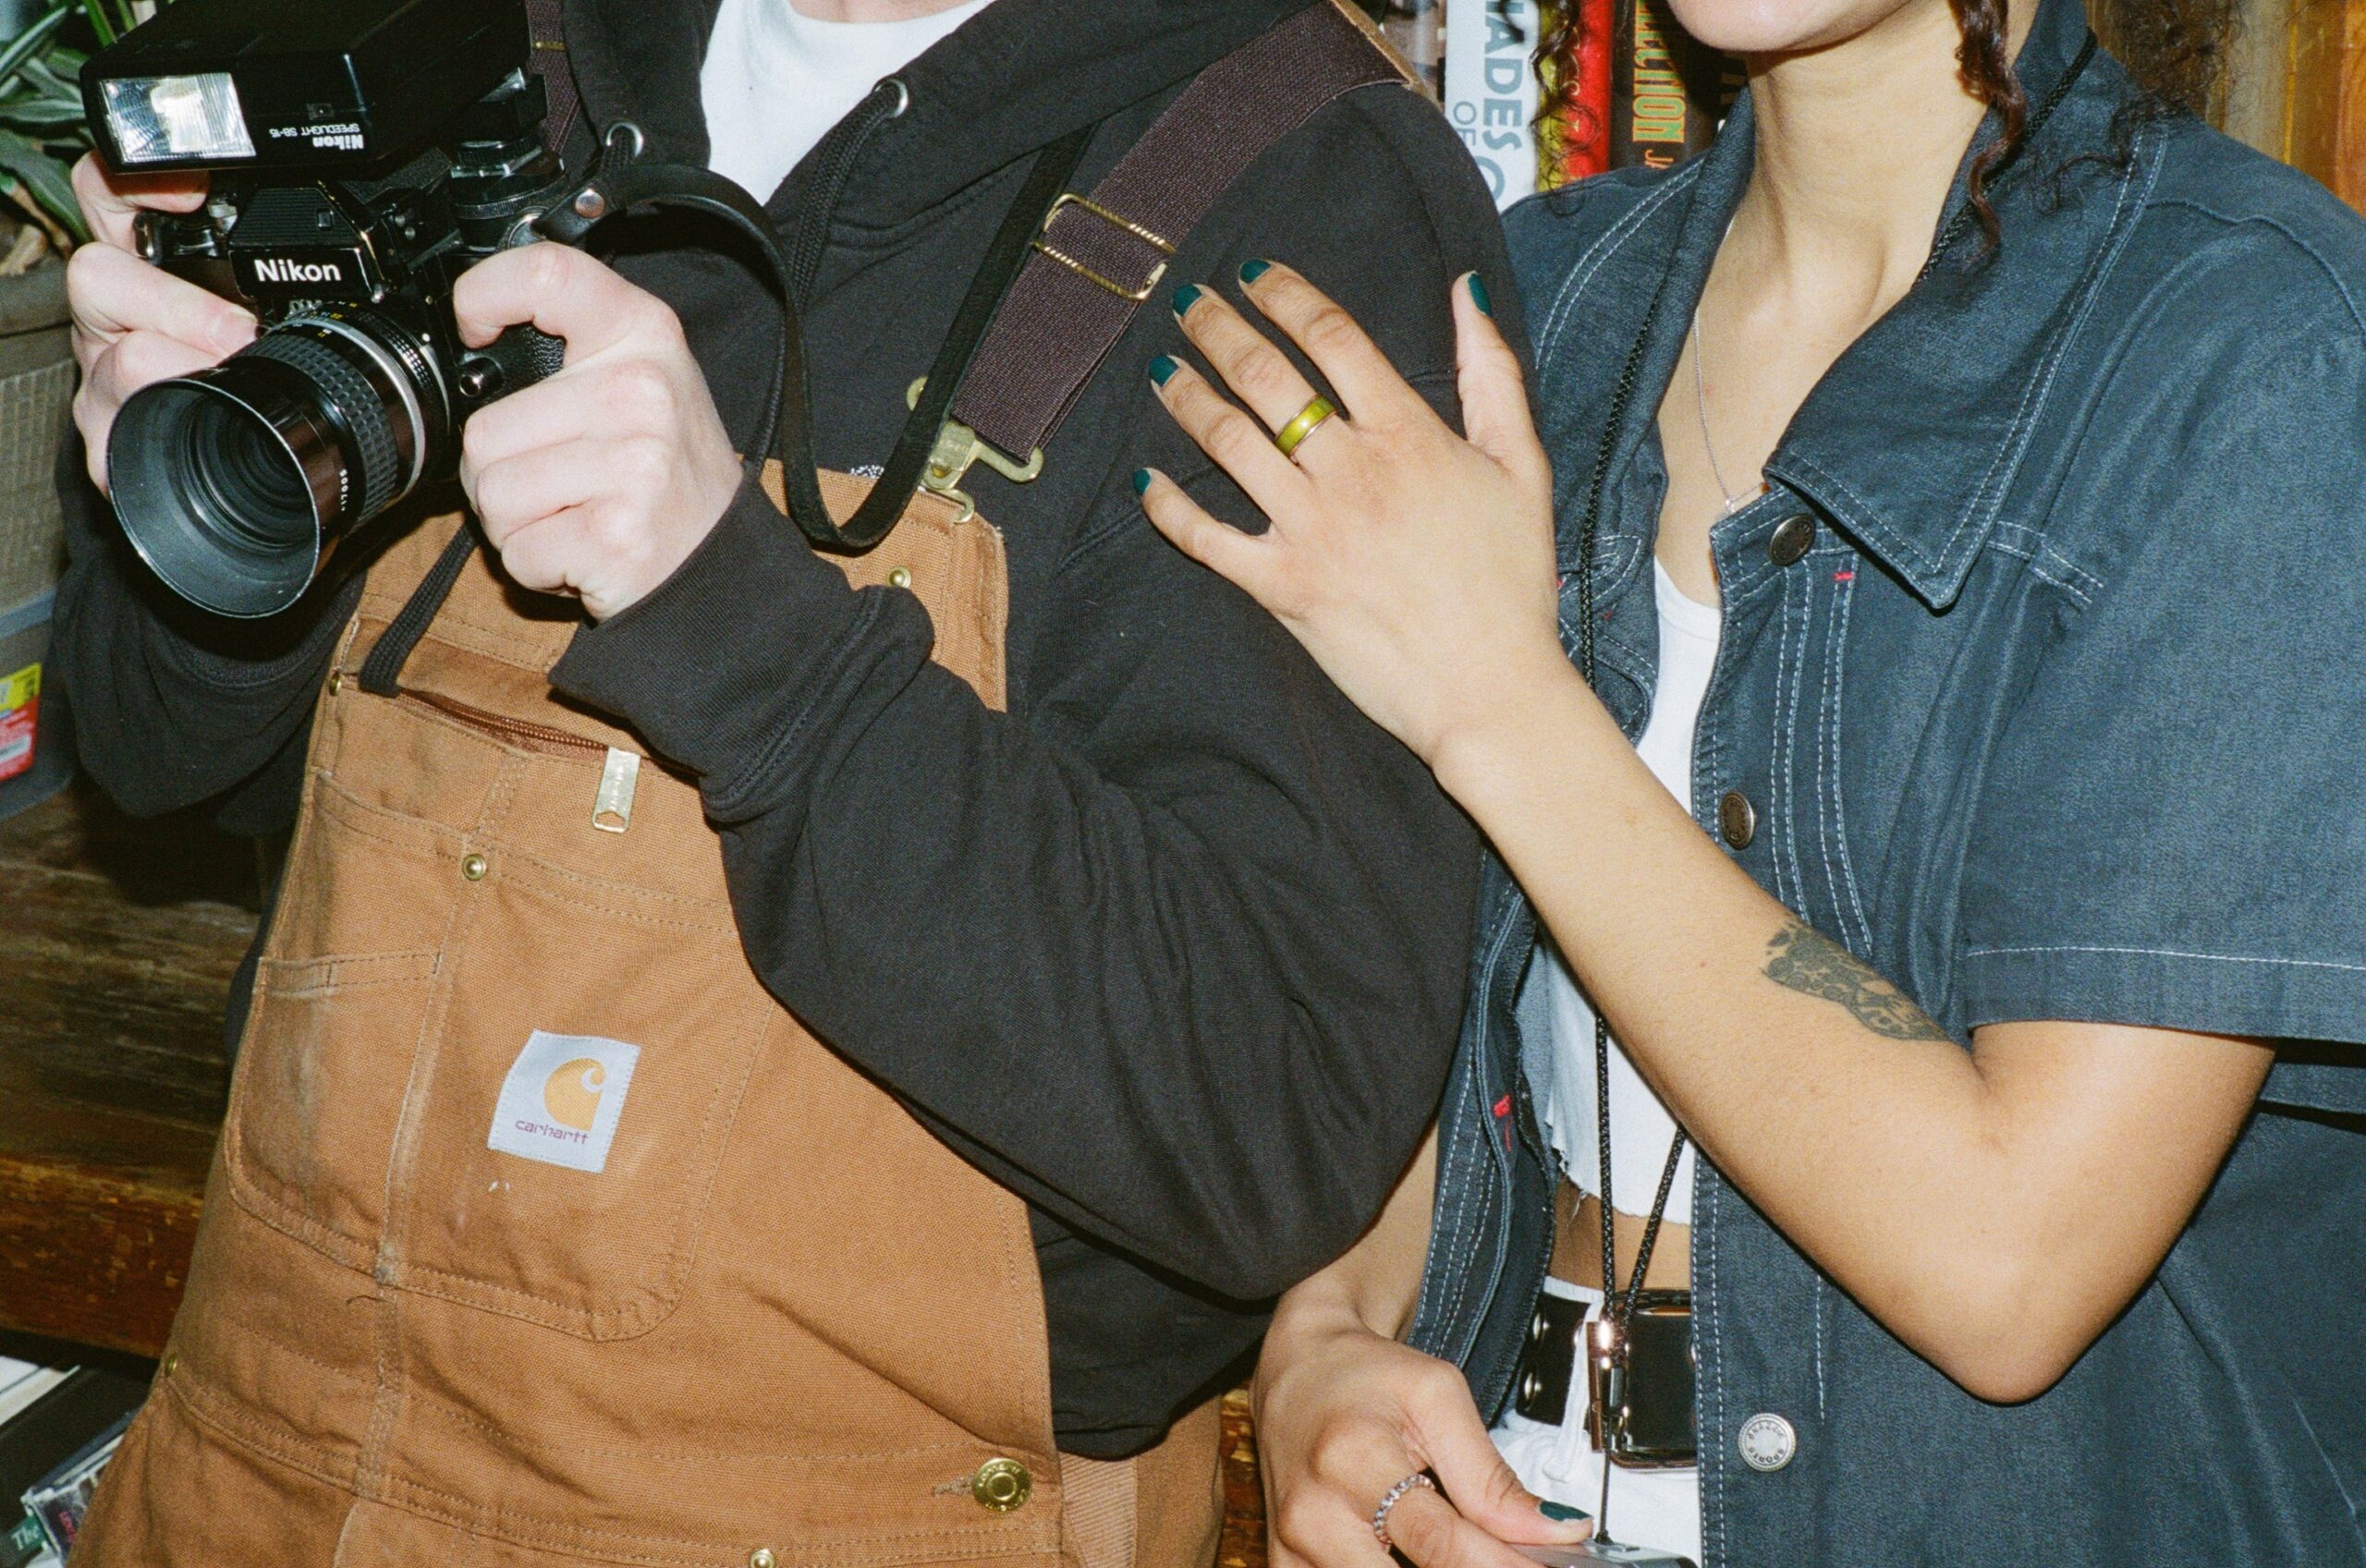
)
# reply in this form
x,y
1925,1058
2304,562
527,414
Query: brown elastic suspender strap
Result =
x,y
1100,257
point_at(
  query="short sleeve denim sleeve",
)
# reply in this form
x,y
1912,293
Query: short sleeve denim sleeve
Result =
x,y
2172,831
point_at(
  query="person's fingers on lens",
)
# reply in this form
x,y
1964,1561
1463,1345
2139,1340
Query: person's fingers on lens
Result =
x,y
1238,444
1243,559
111,202
1244,359
1431,1533
111,292
130,362
1342,352
1495,415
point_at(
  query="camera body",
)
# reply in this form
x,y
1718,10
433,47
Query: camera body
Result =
x,y
351,187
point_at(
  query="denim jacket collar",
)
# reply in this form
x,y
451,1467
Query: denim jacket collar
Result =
x,y
1911,439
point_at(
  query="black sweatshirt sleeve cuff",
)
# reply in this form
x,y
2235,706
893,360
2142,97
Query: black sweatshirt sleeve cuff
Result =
x,y
726,666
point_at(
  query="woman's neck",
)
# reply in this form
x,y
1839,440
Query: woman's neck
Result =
x,y
1857,144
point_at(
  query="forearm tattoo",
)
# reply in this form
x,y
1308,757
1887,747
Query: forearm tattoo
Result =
x,y
1803,959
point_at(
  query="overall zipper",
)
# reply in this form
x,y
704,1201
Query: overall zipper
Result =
x,y
619,773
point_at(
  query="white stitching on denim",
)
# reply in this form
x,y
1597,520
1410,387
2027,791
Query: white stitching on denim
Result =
x,y
2169,953
1713,1471
1782,814
2077,595
1999,471
1866,522
1815,1283
2036,543
1449,1224
1845,603
2357,317
1591,262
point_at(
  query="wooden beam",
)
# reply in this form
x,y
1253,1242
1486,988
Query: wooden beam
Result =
x,y
2325,116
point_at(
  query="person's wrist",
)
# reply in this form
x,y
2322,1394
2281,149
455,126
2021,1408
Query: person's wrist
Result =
x,y
1485,739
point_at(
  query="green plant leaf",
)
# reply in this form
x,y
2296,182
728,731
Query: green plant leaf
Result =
x,y
19,49
45,177
41,112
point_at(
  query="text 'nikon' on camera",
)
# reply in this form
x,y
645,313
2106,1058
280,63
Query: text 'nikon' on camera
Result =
x,y
362,155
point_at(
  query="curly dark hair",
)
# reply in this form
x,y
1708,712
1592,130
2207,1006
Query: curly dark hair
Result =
x,y
2175,49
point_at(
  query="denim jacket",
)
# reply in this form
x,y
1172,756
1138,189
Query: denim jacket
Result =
x,y
2059,715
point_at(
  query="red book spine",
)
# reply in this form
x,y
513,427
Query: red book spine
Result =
x,y
1585,144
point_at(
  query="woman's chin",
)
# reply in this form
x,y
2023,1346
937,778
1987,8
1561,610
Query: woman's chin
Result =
x,y
1764,28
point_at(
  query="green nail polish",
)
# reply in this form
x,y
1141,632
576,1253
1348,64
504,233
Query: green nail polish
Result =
x,y
1186,296
1142,481
1252,271
1479,296
1162,368
1560,1513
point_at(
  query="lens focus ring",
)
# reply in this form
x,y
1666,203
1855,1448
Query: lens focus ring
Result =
x,y
348,390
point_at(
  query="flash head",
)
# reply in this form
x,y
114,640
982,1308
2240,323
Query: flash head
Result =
x,y
296,84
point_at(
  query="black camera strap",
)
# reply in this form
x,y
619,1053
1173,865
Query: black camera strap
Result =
x,y
621,182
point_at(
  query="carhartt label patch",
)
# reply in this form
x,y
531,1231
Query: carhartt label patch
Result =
x,y
562,1098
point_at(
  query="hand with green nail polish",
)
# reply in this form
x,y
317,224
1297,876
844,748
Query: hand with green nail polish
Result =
x,y
1392,535
1345,1413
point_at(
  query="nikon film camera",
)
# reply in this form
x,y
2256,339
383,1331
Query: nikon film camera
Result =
x,y
364,153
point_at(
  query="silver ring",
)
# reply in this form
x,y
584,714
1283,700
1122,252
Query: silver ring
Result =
x,y
1390,1499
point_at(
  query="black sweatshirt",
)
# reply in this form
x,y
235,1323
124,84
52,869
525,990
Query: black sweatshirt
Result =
x,y
1176,948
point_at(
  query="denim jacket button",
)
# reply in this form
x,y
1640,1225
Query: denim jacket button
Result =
x,y
1736,819
1767,1442
1792,538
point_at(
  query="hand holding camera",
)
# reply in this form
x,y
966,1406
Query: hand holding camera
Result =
x,y
135,324
601,480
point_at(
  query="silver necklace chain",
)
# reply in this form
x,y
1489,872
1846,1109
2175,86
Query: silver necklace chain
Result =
x,y
1700,407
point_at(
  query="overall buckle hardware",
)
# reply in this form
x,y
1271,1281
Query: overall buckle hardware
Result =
x,y
958,447
1131,296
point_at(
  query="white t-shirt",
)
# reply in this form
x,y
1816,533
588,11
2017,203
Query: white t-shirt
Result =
x,y
1653,1508
775,80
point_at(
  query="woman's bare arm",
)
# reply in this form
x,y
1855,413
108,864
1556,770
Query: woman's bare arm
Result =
x,y
1994,1207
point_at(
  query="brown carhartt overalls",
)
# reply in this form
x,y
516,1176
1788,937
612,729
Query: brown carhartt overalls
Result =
x,y
540,1233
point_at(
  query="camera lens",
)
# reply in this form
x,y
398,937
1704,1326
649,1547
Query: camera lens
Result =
x,y
234,483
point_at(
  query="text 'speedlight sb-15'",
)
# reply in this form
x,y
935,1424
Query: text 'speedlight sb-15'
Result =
x,y
268,85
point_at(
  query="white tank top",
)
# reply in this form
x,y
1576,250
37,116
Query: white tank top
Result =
x,y
1657,1508
1640,1128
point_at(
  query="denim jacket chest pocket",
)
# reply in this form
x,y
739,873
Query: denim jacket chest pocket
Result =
x,y
1841,755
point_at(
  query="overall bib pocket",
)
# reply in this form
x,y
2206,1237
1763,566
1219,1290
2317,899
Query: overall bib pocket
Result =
x,y
577,1088
342,995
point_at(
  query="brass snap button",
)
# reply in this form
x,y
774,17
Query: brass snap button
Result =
x,y
171,1363
762,1558
899,576
1737,818
336,682
1001,1485
473,866
1793,537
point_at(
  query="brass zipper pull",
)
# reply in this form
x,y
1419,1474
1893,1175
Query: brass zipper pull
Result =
x,y
612,807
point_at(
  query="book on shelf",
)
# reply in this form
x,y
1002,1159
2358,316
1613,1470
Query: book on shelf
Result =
x,y
1628,87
